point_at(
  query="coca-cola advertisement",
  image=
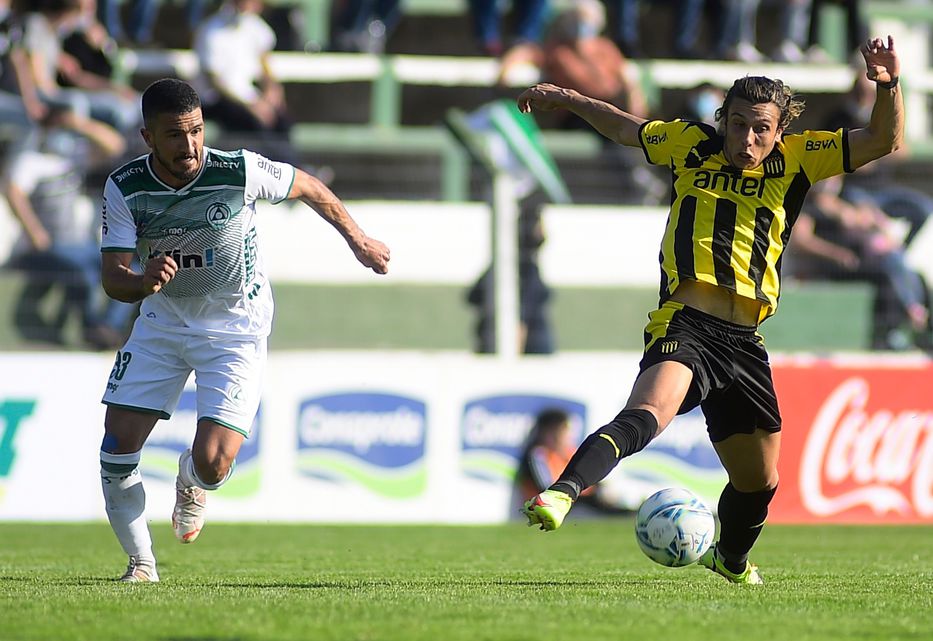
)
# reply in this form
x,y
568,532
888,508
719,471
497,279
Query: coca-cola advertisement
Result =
x,y
857,442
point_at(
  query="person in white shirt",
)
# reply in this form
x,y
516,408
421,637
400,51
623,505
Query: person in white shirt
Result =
x,y
236,85
189,212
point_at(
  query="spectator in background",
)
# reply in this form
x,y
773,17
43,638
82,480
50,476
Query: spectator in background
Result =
x,y
142,19
856,27
86,62
529,17
687,24
702,102
60,247
547,450
576,55
21,109
237,87
842,241
736,31
365,25
43,50
876,184
535,333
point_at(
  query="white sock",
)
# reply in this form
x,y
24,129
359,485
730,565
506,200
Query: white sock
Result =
x,y
189,476
125,500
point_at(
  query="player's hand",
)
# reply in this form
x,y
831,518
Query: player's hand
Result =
x,y
543,97
372,254
881,61
159,271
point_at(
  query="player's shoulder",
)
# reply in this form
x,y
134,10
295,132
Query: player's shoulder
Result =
x,y
132,176
814,139
227,166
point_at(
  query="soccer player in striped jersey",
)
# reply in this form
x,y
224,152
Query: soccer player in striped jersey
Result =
x,y
736,191
189,213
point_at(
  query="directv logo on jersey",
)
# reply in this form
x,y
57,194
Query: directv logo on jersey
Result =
x,y
126,174
188,261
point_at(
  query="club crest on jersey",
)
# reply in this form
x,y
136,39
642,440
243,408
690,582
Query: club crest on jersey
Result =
x,y
217,215
668,347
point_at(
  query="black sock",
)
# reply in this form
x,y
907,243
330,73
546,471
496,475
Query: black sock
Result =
x,y
629,432
741,517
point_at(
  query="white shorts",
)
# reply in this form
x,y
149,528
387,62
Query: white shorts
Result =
x,y
150,372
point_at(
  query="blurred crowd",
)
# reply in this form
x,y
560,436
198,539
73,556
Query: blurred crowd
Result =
x,y
66,120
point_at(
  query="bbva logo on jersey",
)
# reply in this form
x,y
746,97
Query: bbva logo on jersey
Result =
x,y
217,215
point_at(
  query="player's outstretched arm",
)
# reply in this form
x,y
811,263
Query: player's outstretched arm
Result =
x,y
615,124
122,283
885,130
315,194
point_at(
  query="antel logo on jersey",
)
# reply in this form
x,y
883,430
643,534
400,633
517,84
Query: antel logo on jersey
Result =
x,y
494,429
371,439
172,437
217,215
882,459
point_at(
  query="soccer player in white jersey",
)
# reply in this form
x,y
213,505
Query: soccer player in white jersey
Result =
x,y
188,211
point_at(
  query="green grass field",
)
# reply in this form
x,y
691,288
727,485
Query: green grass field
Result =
x,y
587,581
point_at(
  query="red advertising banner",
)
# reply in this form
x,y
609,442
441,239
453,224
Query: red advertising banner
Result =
x,y
857,443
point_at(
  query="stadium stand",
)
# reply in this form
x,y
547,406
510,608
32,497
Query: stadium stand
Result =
x,y
378,120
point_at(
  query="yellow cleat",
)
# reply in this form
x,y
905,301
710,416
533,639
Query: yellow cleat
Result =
x,y
711,561
547,509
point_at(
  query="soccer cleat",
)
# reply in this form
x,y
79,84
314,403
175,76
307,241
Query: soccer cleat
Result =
x,y
190,503
139,572
547,509
711,561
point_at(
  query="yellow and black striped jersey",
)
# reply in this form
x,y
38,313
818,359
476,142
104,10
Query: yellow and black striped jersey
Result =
x,y
729,226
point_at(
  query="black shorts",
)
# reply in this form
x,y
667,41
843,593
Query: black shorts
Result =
x,y
731,373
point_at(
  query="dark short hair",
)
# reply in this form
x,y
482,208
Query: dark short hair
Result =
x,y
758,90
169,96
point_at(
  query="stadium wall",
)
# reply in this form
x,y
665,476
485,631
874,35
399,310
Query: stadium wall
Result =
x,y
410,437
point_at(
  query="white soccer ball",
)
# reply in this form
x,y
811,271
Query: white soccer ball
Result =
x,y
674,527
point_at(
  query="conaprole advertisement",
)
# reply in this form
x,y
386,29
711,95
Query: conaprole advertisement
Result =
x,y
399,437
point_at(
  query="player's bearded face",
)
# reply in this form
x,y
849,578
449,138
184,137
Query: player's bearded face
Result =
x,y
177,144
751,132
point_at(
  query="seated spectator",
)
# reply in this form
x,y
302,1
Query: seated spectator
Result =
x,y
627,29
86,62
237,88
576,55
701,103
43,49
838,240
365,25
876,182
736,32
546,452
59,247
528,20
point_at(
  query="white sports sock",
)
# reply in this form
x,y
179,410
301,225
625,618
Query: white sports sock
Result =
x,y
189,476
125,500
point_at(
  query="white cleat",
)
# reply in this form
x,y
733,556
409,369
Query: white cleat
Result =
x,y
140,572
190,503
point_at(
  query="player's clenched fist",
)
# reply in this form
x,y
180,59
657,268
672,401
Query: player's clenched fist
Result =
x,y
159,271
373,254
543,97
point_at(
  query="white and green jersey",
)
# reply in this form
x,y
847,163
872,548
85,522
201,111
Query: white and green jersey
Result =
x,y
208,228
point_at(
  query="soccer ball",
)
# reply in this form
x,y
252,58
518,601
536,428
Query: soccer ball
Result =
x,y
674,527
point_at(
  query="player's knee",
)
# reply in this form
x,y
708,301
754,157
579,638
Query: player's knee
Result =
x,y
765,480
212,469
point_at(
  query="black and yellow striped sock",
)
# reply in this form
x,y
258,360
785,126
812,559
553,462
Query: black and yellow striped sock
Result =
x,y
629,432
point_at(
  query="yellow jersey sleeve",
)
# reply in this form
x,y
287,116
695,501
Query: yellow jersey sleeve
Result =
x,y
821,154
669,143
